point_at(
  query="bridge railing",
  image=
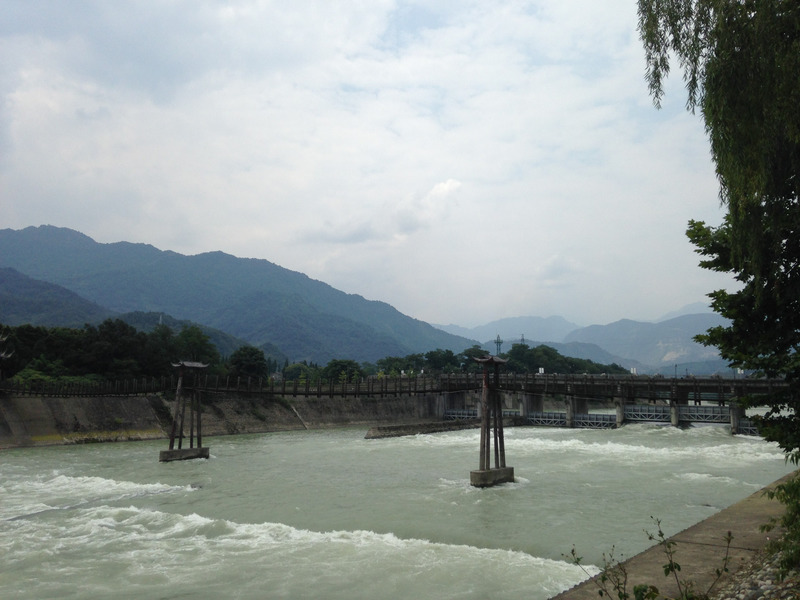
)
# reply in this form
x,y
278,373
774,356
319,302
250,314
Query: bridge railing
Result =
x,y
371,386
121,387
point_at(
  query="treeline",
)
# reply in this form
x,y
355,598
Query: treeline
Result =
x,y
112,350
521,359
116,350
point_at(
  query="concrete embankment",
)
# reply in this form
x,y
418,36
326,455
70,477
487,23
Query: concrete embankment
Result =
x,y
700,550
41,421
386,431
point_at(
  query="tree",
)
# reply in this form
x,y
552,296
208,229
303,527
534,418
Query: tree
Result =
x,y
466,359
741,64
193,344
441,361
342,370
249,361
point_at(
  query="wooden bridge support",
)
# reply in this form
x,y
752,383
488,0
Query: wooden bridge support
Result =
x,y
491,431
181,453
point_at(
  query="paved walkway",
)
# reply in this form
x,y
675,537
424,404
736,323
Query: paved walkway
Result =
x,y
700,549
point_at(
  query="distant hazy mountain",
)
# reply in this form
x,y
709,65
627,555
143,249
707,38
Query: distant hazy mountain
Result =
x,y
659,345
252,299
24,300
690,309
591,352
513,328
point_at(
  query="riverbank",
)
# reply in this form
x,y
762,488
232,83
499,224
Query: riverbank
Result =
x,y
29,421
700,549
759,581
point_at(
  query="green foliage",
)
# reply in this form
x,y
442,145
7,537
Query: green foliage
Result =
x,y
192,344
300,372
442,361
248,361
741,62
342,371
524,359
787,493
112,350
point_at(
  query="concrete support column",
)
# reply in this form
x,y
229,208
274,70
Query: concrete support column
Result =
x,y
674,415
570,410
737,414
619,404
531,403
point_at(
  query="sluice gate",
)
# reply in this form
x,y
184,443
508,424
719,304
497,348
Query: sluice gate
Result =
x,y
675,414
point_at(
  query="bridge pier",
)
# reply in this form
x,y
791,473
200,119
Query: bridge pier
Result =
x,y
619,406
181,453
737,414
491,406
575,406
531,402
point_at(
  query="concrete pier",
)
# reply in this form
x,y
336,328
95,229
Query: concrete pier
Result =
x,y
182,454
491,410
490,477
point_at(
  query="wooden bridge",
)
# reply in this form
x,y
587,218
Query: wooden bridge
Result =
x,y
635,398
629,388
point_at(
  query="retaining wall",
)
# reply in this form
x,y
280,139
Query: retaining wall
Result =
x,y
46,420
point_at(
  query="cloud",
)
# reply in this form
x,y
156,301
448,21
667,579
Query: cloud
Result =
x,y
455,159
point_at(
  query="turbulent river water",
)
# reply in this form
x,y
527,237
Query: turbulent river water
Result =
x,y
328,514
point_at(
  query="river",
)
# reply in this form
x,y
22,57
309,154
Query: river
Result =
x,y
328,514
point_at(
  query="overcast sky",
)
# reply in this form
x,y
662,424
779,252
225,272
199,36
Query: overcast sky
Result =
x,y
463,161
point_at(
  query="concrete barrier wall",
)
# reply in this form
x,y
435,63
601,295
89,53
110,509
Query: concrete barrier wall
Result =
x,y
38,421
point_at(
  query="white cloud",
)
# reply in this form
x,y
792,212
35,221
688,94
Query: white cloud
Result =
x,y
462,161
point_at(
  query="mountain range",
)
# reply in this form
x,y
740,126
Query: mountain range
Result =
x,y
251,299
57,276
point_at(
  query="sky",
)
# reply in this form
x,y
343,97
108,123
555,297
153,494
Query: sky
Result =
x,y
463,161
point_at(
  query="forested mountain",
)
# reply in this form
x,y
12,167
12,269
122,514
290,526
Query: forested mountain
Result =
x,y
225,343
251,299
26,300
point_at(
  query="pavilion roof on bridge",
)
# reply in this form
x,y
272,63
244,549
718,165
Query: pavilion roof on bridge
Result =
x,y
188,364
490,359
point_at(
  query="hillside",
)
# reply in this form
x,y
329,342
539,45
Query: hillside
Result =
x,y
664,344
252,299
26,300
511,329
